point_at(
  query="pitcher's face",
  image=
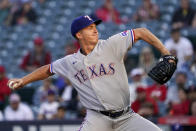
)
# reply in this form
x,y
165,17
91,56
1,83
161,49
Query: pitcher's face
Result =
x,y
89,34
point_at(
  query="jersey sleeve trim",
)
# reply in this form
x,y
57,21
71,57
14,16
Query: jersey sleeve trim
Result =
x,y
132,36
51,71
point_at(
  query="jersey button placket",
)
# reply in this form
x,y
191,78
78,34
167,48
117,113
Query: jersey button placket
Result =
x,y
86,64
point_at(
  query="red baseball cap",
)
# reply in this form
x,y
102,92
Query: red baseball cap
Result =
x,y
140,90
38,41
2,69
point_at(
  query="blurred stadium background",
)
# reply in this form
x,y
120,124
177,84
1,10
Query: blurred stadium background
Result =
x,y
25,24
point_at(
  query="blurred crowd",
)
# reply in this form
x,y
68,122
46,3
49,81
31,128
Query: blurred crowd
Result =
x,y
56,98
13,12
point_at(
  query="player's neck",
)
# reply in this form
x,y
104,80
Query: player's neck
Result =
x,y
87,48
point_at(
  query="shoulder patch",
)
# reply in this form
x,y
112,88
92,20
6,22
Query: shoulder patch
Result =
x,y
124,33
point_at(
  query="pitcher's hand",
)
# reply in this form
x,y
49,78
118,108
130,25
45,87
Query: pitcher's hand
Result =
x,y
15,84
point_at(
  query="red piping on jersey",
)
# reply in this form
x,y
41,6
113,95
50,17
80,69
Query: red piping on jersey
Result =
x,y
133,35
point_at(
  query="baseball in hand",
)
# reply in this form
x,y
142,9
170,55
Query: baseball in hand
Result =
x,y
12,85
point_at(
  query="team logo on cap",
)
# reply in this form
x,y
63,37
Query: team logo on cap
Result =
x,y
86,16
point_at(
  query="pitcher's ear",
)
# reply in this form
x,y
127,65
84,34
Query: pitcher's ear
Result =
x,y
78,35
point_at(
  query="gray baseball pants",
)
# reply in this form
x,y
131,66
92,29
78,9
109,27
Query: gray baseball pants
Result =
x,y
95,121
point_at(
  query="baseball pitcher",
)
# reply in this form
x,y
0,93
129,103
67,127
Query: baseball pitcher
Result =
x,y
98,73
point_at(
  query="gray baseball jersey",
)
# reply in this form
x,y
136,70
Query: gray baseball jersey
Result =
x,y
100,77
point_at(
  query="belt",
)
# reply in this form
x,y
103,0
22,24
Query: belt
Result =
x,y
114,114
